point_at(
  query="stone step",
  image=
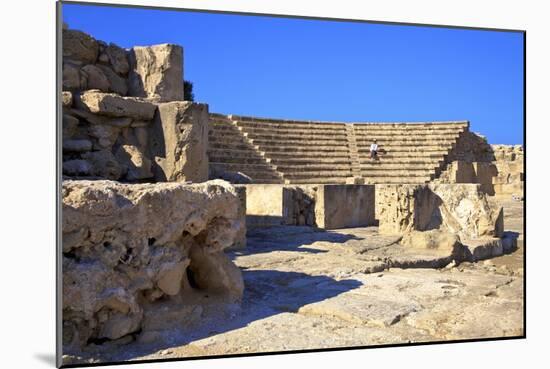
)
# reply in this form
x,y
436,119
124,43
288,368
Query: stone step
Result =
x,y
223,130
241,166
240,118
222,124
336,137
308,157
293,125
391,166
314,167
318,180
398,131
405,138
323,150
407,148
404,130
422,173
327,142
412,142
319,174
401,161
226,138
410,125
396,180
292,131
236,160
291,161
244,154
230,146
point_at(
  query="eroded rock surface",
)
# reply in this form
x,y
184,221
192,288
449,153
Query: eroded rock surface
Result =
x,y
135,256
179,141
156,72
307,289
113,105
462,209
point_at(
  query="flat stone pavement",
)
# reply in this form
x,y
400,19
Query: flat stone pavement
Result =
x,y
308,289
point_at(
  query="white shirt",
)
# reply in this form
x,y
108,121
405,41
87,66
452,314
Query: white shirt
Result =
x,y
374,147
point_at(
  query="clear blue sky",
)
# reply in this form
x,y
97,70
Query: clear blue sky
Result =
x,y
328,70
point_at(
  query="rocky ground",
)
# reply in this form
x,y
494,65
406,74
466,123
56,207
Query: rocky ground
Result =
x,y
308,289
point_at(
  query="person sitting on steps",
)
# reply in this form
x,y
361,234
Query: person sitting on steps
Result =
x,y
374,150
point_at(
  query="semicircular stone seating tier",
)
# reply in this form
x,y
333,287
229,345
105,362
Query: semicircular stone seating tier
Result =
x,y
294,152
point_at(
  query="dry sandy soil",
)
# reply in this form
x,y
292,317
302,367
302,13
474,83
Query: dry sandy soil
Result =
x,y
310,289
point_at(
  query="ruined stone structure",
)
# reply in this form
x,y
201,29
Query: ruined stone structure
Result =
x,y
124,117
126,248
259,150
283,151
145,231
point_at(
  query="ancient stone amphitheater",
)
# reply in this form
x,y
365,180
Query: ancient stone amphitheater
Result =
x,y
191,233
294,152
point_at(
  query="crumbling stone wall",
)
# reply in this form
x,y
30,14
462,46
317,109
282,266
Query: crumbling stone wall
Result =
x,y
471,147
114,107
138,258
130,250
509,179
300,205
461,209
497,168
327,206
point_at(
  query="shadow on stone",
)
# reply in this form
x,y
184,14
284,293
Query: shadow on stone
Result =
x,y
290,238
267,293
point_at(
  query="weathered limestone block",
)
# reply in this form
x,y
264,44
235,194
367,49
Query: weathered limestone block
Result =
x,y
395,208
104,164
344,206
66,99
77,167
179,140
136,165
70,125
79,46
77,145
435,241
461,209
471,147
509,178
114,105
466,211
268,205
131,252
117,84
118,59
156,72
95,78
485,172
300,205
240,238
106,135
71,77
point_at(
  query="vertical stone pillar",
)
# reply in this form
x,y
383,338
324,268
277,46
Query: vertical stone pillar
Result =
x,y
240,238
178,142
156,72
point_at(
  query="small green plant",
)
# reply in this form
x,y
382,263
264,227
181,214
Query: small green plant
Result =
x,y
188,91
